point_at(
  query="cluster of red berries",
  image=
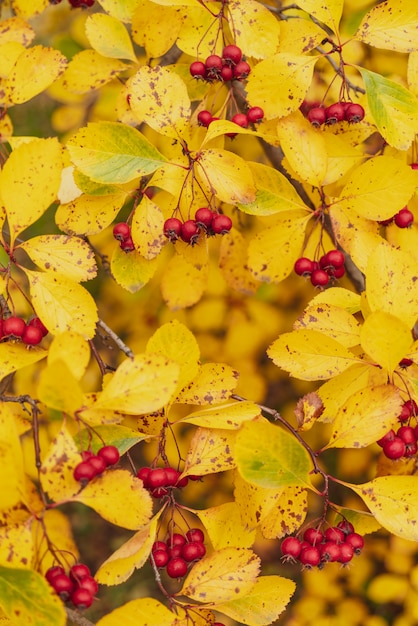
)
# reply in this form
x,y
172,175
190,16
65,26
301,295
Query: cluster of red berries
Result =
x,y
78,586
330,265
336,544
252,116
30,333
228,67
179,552
122,233
159,480
76,4
402,219
404,442
337,112
206,220
95,464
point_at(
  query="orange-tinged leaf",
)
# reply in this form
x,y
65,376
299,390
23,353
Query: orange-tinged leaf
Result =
x,y
232,261
310,355
109,37
257,31
29,182
332,321
229,416
88,215
144,611
62,254
225,527
262,604
73,349
131,270
16,29
156,27
393,500
62,304
59,389
279,83
273,252
214,382
365,417
159,97
386,339
210,451
147,228
288,515
13,356
308,410
58,465
16,546
268,456
226,175
88,70
228,573
328,12
35,70
182,283
141,385
391,25
13,477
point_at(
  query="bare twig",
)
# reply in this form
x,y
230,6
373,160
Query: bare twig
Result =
x,y
76,618
118,341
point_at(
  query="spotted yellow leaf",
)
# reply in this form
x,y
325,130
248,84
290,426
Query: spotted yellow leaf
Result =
x,y
288,514
210,452
390,25
88,70
73,349
386,339
214,382
131,270
147,228
13,356
182,283
16,546
58,465
156,27
328,12
35,70
88,215
16,29
226,175
225,527
332,321
146,611
229,416
257,30
232,261
13,488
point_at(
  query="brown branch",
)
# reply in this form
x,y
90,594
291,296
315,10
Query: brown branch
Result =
x,y
117,340
76,618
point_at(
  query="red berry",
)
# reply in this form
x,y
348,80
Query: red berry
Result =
x,y
232,54
336,272
159,492
193,551
227,73
172,228
97,463
407,434
110,455
356,541
255,114
172,476
81,4
127,245
35,321
414,166
390,436
159,545
334,534
78,571
241,120
304,266
404,218
221,224
177,567
204,118
394,449
411,449
335,113
213,62
346,526
176,540
346,553
354,113
182,482
157,477
196,535
291,548
143,474
54,571
84,472
404,363
313,536
204,217
330,551
174,552
198,69
241,70
32,336
190,232
310,557
319,278
62,585
81,598
411,406
89,583
14,326
317,116
161,558
335,258
121,231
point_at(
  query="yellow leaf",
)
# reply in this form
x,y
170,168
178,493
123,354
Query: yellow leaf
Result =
x,y
262,604
341,157
13,477
156,27
310,164
159,97
16,546
214,382
141,385
109,37
182,283
130,556
340,297
232,261
308,410
13,356
257,31
412,73
393,500
379,188
226,175
29,182
177,343
310,355
62,304
210,452
225,528
229,416
35,70
279,84
147,228
332,321
119,498
288,515
88,70
392,286
88,215
59,389
390,25
57,468
16,29
299,35
131,270
120,436
255,502
144,611
328,12
228,573
199,31
386,339
62,254
73,349
365,417
273,252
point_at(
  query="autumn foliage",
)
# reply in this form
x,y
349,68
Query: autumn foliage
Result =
x,y
209,302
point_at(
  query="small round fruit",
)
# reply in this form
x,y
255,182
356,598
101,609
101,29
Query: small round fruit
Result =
x,y
84,472
198,69
304,266
330,551
174,552
241,70
354,113
143,474
346,526
54,571
204,217
121,231
196,535
232,54
176,539
159,545
394,449
204,118
240,119
319,278
157,477
255,114
172,476
14,326
335,113
291,548
161,558
213,63
404,218
221,224
411,449
63,585
227,73
406,433
310,557
78,571
127,245
172,228
182,482
334,534
336,272
317,116
97,463
35,321
389,436
109,454
335,258
346,553
190,232
81,598
193,551
89,583
313,536
356,541
404,363
177,567
32,336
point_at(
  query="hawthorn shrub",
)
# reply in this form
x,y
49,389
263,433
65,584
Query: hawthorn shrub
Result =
x,y
209,298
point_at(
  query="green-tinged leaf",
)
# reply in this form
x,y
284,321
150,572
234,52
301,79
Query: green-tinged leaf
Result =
x,y
158,96
328,12
268,456
226,574
120,436
262,604
62,254
274,192
62,304
109,37
88,215
88,71
214,382
210,451
365,417
73,349
182,283
110,152
394,109
131,270
13,476
393,500
332,321
386,339
310,355
256,28
141,385
226,175
391,25
29,600
13,356
225,527
144,611
59,389
34,71
229,416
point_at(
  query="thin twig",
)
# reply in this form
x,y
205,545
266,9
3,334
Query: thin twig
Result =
x,y
338,71
118,341
76,618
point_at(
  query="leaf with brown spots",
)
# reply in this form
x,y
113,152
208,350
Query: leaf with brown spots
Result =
x,y
213,383
327,11
332,321
229,416
11,459
182,283
226,175
386,339
14,356
210,452
108,36
225,527
256,29
34,71
288,514
391,25
308,409
88,70
147,229
58,465
89,214
253,501
227,574
144,611
232,261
